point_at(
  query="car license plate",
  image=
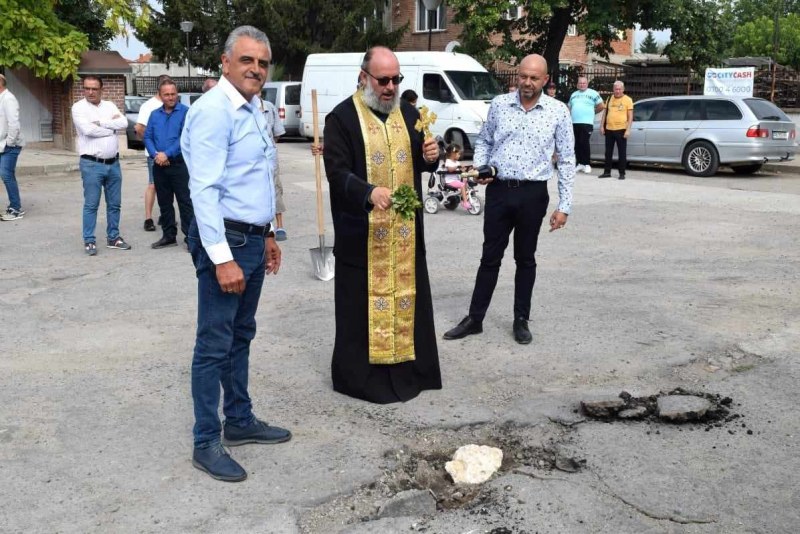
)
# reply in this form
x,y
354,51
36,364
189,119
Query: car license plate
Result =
x,y
780,135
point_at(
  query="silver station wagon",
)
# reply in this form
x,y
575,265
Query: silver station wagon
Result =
x,y
701,133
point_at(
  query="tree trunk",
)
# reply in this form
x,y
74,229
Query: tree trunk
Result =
x,y
556,33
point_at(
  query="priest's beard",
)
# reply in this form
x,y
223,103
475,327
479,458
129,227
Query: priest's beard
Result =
x,y
373,101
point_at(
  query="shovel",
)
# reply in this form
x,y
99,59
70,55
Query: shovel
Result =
x,y
321,258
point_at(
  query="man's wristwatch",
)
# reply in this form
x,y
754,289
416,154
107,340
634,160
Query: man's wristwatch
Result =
x,y
271,234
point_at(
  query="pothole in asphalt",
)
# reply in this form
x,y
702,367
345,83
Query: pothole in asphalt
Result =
x,y
416,472
678,406
420,469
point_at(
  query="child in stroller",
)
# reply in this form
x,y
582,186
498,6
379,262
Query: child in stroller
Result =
x,y
450,187
452,173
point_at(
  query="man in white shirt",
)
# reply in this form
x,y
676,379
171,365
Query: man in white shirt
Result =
x,y
141,124
96,121
11,143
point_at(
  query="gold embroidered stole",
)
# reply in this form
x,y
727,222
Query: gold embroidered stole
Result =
x,y
391,243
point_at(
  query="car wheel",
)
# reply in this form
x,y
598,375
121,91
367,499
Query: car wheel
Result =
x,y
701,159
746,169
431,205
452,202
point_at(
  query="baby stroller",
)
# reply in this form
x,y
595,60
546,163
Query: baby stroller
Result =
x,y
441,194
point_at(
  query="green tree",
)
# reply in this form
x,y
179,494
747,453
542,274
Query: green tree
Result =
x,y
695,42
88,17
755,38
649,44
33,36
544,25
749,10
296,28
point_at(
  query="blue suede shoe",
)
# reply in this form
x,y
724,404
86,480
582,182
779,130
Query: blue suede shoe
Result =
x,y
257,432
216,461
280,234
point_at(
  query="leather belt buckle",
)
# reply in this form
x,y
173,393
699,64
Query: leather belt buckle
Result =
x,y
514,183
247,228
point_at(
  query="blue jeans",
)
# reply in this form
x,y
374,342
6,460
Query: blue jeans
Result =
x,y
8,166
99,177
226,324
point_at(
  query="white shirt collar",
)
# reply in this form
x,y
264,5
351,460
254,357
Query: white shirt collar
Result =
x,y
234,95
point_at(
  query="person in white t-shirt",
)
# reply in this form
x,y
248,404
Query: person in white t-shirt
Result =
x,y
276,129
141,124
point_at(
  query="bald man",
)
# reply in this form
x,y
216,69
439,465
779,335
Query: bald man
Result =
x,y
385,348
516,143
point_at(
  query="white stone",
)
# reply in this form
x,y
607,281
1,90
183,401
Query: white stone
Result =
x,y
474,464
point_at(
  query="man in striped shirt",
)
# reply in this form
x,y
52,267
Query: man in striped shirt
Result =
x,y
96,121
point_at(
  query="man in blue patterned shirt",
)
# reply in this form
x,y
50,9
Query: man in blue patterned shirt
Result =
x,y
513,156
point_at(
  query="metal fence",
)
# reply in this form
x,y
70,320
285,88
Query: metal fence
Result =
x,y
645,82
148,85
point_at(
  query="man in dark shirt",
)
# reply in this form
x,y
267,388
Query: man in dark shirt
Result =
x,y
163,139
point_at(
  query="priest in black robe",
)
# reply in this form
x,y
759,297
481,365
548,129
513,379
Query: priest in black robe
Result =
x,y
385,348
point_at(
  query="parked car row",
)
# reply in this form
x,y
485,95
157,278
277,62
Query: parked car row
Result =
x,y
700,133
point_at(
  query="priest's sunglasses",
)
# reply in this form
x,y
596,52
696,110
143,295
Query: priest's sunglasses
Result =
x,y
384,81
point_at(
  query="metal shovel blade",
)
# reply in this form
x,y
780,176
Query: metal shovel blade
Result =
x,y
323,260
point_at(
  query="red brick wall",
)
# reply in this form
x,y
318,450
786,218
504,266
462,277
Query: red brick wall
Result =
x,y
405,11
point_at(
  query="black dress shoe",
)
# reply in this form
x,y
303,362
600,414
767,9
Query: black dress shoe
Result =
x,y
149,226
605,175
521,333
216,461
621,177
466,327
257,432
165,242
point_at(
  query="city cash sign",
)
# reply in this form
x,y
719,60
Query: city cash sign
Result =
x,y
729,82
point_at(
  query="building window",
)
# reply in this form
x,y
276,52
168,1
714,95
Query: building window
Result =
x,y
572,30
513,13
438,20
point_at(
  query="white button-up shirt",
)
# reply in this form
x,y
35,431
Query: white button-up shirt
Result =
x,y
10,134
96,128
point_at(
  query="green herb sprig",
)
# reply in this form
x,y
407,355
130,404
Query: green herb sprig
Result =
x,y
405,202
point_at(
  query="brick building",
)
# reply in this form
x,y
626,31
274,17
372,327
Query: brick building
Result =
x,y
112,69
444,31
45,104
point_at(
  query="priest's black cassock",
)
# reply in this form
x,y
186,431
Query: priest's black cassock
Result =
x,y
346,168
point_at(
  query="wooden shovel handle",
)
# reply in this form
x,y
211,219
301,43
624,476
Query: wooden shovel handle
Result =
x,y
317,168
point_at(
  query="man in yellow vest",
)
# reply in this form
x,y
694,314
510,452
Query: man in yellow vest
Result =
x,y
616,127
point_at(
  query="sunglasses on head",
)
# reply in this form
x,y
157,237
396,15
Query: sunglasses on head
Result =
x,y
384,81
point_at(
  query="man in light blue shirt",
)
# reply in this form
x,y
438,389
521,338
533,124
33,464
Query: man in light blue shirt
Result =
x,y
231,159
513,155
584,104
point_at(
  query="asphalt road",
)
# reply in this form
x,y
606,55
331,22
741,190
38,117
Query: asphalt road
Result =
x,y
657,282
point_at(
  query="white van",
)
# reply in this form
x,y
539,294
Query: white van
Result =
x,y
454,86
286,97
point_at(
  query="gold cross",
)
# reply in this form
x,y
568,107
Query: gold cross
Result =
x,y
426,118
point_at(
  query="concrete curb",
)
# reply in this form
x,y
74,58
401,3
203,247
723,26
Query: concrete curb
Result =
x,y
64,166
